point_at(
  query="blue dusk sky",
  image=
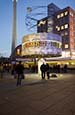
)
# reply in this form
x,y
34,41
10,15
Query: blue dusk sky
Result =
x,y
6,14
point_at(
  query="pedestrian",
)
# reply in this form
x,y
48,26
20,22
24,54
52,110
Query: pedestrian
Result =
x,y
43,70
65,68
20,73
47,70
13,70
1,70
58,68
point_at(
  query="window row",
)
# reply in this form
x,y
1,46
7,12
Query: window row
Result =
x,y
64,34
62,14
58,28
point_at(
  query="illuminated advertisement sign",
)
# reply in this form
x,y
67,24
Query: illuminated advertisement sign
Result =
x,y
41,43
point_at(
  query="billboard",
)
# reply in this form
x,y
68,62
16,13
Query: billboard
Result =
x,y
41,44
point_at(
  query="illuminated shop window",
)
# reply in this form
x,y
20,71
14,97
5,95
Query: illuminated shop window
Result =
x,y
66,45
66,13
66,26
62,14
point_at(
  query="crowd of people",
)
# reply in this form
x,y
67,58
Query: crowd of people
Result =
x,y
46,70
18,70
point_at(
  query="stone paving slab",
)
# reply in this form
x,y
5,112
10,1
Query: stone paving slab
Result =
x,y
55,96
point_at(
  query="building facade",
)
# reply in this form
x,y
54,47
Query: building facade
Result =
x,y
62,22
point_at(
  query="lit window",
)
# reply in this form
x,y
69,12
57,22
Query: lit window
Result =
x,y
44,22
66,45
66,33
62,14
58,29
18,51
58,16
62,27
66,26
41,23
66,13
50,21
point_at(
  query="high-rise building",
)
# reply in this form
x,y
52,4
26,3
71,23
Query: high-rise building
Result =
x,y
47,24
62,22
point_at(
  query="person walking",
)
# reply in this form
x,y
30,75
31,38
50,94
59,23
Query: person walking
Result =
x,y
43,70
20,72
65,68
47,70
1,70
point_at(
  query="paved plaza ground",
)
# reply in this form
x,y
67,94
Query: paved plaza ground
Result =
x,y
35,96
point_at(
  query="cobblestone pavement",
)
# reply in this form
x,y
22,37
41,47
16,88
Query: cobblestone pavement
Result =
x,y
55,96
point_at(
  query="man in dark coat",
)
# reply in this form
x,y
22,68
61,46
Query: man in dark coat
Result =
x,y
43,70
19,70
